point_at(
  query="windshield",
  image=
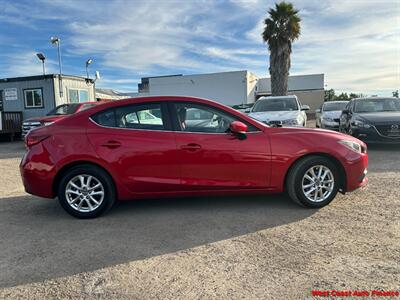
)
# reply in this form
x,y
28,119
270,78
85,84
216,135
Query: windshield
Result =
x,y
65,109
86,106
335,106
276,104
376,105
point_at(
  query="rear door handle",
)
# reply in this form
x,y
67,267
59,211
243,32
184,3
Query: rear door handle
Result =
x,y
191,147
111,144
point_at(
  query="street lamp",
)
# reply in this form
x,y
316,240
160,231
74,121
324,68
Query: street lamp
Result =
x,y
57,41
42,58
88,62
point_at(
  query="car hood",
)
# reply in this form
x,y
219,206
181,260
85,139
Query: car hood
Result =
x,y
312,134
383,118
267,116
46,119
334,114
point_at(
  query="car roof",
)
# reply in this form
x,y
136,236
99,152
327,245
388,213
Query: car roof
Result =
x,y
90,102
155,98
376,98
139,100
341,101
278,97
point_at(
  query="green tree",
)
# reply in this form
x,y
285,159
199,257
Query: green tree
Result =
x,y
329,95
342,96
396,94
282,27
354,95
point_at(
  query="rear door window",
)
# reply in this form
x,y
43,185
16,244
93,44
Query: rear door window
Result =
x,y
138,116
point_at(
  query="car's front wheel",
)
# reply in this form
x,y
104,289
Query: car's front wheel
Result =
x,y
313,181
86,191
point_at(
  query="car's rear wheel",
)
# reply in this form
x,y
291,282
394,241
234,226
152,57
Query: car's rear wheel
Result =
x,y
313,181
86,191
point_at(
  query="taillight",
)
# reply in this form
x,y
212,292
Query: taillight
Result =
x,y
31,140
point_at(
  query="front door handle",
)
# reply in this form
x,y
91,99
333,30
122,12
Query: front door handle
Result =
x,y
111,144
191,147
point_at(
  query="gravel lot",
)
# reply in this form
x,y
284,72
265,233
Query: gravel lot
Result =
x,y
225,248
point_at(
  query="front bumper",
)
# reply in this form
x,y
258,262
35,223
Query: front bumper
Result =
x,y
330,125
356,167
373,136
28,126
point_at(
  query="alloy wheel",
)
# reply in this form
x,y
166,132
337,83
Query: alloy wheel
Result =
x,y
318,183
84,193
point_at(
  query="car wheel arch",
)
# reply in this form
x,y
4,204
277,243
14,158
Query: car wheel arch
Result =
x,y
64,169
341,170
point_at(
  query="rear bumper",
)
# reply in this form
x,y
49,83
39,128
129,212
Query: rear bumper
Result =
x,y
37,172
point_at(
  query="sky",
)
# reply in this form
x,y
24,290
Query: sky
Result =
x,y
355,43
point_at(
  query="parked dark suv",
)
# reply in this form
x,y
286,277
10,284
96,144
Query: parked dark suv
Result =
x,y
373,120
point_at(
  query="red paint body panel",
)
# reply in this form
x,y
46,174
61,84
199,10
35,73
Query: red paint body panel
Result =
x,y
151,163
146,161
224,162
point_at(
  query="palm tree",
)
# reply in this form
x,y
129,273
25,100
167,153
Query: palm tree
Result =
x,y
282,27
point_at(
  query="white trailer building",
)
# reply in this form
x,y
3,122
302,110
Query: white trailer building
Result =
x,y
233,88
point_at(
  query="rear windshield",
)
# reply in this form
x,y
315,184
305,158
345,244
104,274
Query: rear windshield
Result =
x,y
86,106
65,109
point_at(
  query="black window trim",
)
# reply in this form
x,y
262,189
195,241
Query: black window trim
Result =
x,y
164,113
177,128
32,89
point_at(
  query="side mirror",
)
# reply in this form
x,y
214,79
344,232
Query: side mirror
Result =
x,y
345,112
247,110
305,107
318,110
239,129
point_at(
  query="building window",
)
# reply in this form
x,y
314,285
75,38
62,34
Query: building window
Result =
x,y
33,98
77,95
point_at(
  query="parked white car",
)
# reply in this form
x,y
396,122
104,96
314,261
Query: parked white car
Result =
x,y
328,116
280,110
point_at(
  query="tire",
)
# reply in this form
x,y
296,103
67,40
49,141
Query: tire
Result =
x,y
296,179
93,198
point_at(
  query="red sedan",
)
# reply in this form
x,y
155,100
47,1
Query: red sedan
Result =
x,y
170,146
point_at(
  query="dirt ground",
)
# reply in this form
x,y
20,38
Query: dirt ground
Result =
x,y
204,248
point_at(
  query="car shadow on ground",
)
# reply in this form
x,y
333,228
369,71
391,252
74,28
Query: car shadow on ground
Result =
x,y
40,241
384,147
384,158
14,149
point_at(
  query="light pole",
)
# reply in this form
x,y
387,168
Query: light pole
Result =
x,y
57,41
88,62
42,58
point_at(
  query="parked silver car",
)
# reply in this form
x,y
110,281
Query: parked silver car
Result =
x,y
328,116
283,110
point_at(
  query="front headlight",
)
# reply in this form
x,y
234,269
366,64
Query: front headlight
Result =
x,y
361,124
351,145
47,123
